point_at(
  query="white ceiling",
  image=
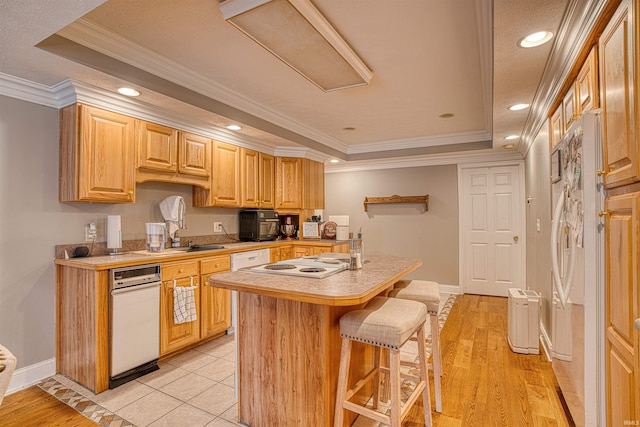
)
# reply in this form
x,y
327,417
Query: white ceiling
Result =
x,y
428,57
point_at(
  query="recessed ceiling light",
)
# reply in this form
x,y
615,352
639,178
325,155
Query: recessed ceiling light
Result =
x,y
510,137
334,161
508,147
234,127
128,91
445,116
535,39
518,107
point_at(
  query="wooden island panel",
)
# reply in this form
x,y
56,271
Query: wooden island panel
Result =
x,y
289,339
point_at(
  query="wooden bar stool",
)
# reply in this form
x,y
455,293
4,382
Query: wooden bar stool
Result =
x,y
428,293
383,323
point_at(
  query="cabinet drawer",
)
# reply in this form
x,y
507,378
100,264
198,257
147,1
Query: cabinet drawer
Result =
x,y
177,270
215,264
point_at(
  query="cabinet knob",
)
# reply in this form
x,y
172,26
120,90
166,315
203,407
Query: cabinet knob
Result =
x,y
636,324
603,213
184,166
217,265
174,164
181,271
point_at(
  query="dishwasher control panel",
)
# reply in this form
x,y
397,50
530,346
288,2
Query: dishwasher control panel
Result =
x,y
137,275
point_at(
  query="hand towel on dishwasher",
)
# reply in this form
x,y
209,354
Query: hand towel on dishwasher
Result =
x,y
184,304
174,213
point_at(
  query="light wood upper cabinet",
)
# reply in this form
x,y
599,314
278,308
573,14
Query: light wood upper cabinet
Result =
x,y
299,183
168,155
226,179
569,110
557,126
619,138
586,85
258,169
97,152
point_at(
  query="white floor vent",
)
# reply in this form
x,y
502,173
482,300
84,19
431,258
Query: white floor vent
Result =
x,y
524,312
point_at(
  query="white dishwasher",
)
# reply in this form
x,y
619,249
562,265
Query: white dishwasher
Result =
x,y
243,260
134,339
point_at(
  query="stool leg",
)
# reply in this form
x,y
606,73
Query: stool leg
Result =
x,y
396,402
343,379
437,359
377,377
424,375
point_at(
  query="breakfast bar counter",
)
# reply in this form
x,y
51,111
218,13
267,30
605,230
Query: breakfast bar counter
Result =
x,y
289,338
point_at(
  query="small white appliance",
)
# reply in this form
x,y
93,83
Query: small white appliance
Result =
x,y
523,317
114,234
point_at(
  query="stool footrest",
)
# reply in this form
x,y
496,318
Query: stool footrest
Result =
x,y
361,383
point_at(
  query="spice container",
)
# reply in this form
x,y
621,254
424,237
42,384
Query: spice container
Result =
x,y
355,252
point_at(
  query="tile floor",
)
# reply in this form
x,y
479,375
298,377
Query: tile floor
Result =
x,y
194,388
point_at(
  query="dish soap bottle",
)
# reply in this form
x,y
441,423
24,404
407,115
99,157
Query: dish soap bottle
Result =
x,y
175,240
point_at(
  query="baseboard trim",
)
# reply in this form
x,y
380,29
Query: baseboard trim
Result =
x,y
31,375
451,289
545,342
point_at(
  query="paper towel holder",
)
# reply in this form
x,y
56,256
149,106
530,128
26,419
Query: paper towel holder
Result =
x,y
114,235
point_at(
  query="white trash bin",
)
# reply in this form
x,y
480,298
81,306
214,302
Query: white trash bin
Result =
x,y
523,318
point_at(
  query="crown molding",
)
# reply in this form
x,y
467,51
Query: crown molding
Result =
x,y
449,159
100,39
15,87
577,25
430,141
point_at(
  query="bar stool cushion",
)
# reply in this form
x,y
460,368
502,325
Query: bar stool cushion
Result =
x,y
385,322
424,291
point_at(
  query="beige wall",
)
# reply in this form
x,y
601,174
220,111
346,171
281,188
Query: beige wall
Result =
x,y
33,222
403,230
537,186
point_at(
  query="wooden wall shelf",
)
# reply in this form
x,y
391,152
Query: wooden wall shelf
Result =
x,y
396,199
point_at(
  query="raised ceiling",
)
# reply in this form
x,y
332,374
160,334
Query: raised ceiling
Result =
x,y
428,58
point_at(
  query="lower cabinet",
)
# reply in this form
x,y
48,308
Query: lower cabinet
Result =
x,y
215,303
175,336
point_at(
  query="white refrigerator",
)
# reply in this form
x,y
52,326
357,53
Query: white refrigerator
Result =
x,y
577,247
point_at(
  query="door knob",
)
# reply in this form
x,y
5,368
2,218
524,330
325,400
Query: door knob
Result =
x,y
603,213
515,238
600,172
636,324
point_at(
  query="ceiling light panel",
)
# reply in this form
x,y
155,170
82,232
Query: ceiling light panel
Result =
x,y
296,33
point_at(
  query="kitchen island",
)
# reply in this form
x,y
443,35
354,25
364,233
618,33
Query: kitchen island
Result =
x,y
289,338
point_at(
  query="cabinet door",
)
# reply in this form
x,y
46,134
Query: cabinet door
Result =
x,y
226,172
557,126
288,183
313,180
251,178
622,308
300,251
286,252
215,306
274,254
99,166
569,109
172,336
194,155
620,147
157,147
266,181
587,84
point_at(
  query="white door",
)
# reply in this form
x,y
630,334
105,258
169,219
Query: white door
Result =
x,y
491,230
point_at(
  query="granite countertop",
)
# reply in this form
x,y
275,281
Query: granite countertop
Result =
x,y
105,262
346,288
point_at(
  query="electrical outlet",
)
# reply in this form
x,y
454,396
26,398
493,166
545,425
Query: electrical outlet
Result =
x,y
217,227
90,232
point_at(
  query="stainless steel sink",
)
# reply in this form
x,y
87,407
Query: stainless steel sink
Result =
x,y
198,248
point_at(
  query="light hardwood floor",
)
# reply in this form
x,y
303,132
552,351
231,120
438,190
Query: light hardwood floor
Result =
x,y
484,383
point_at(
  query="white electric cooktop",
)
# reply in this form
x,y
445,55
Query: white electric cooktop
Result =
x,y
317,267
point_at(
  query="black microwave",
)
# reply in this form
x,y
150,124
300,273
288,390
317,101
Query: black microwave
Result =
x,y
258,224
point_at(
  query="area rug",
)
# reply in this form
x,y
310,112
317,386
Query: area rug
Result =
x,y
410,350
